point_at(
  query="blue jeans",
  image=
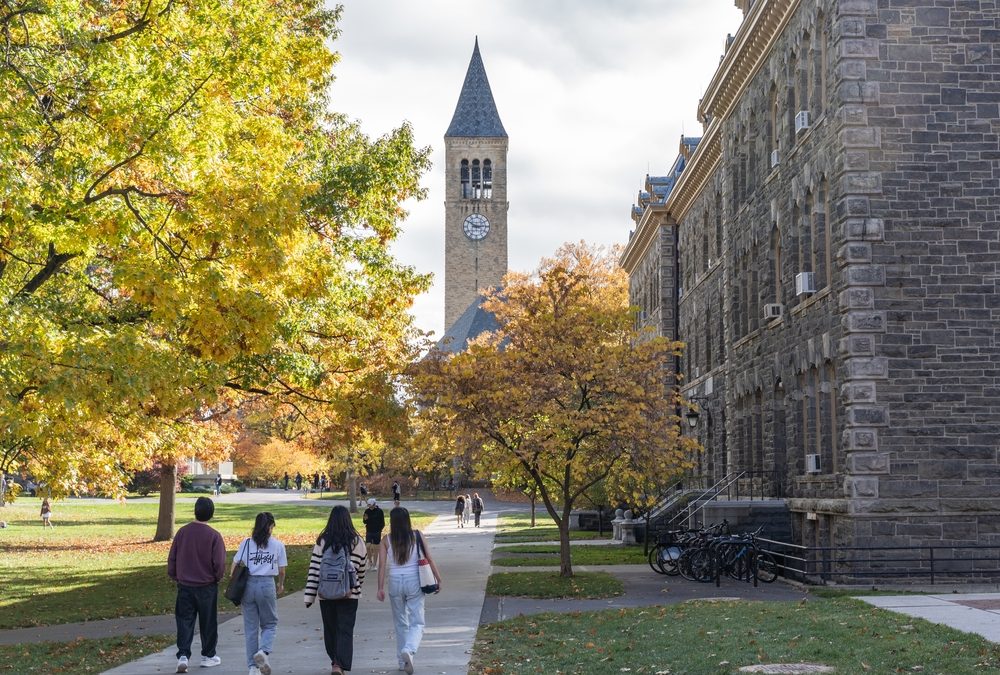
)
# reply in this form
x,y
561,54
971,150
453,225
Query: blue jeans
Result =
x,y
260,612
407,611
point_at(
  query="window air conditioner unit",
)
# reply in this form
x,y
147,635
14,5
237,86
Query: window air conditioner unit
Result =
x,y
812,463
804,283
773,310
774,158
801,121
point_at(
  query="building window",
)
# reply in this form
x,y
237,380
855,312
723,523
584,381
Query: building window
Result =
x,y
823,232
803,425
793,100
778,291
487,179
820,68
477,180
809,236
704,243
718,225
830,422
774,113
466,191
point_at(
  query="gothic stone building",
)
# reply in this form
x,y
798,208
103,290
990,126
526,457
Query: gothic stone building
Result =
x,y
829,253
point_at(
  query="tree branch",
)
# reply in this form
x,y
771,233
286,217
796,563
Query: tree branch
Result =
x,y
53,264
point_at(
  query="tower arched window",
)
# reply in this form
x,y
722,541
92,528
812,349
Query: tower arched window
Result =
x,y
487,179
477,180
464,173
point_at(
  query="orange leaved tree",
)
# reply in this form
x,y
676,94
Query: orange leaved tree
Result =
x,y
565,391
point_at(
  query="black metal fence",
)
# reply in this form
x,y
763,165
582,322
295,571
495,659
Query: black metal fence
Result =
x,y
852,564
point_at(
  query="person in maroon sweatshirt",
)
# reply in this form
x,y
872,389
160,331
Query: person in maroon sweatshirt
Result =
x,y
197,562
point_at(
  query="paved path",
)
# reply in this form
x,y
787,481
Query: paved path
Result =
x,y
977,613
463,556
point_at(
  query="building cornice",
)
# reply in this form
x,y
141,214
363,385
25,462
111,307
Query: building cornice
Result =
x,y
645,234
696,174
748,52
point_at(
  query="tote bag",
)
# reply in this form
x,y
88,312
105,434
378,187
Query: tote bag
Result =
x,y
238,581
428,584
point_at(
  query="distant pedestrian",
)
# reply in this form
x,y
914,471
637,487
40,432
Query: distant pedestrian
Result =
x,y
265,559
322,483
3,489
395,492
197,563
286,480
218,484
298,481
467,514
339,542
364,491
315,481
399,552
460,510
46,513
374,520
477,507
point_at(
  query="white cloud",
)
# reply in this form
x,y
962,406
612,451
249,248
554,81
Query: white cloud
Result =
x,y
593,94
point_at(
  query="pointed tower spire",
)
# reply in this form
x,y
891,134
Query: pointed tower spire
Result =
x,y
476,113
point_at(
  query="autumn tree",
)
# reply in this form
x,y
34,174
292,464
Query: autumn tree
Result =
x,y
181,217
565,391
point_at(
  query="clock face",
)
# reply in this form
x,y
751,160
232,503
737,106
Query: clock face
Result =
x,y
476,226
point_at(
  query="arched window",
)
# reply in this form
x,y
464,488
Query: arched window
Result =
x,y
477,180
466,192
718,225
823,233
809,237
807,79
704,244
820,67
776,287
755,306
829,423
794,232
793,98
487,179
774,117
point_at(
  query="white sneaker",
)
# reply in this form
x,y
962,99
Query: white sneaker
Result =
x,y
182,664
260,658
407,663
210,661
253,671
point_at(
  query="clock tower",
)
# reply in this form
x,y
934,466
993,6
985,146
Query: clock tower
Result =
x,y
475,207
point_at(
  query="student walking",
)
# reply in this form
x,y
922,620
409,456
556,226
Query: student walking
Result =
x,y
460,511
467,512
336,574
218,484
46,513
374,520
399,552
298,481
396,494
265,559
197,563
477,507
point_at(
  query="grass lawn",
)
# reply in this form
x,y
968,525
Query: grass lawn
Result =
x,y
80,656
545,585
716,638
515,528
98,561
582,555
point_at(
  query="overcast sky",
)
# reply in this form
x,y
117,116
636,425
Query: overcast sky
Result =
x,y
593,94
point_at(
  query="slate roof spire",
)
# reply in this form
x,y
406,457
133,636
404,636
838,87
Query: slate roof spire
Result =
x,y
476,113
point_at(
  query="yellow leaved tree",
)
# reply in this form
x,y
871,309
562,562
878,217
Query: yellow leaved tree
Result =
x,y
565,392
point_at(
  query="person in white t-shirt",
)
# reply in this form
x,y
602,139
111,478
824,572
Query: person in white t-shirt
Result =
x,y
265,559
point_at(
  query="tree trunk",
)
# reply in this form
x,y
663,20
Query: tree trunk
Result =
x,y
532,510
565,560
352,492
165,519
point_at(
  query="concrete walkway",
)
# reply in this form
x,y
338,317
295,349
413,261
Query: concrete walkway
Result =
x,y
977,613
452,618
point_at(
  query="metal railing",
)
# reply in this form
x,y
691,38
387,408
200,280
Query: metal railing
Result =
x,y
818,564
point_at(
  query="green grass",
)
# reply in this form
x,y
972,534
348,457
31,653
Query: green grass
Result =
x,y
80,657
581,555
716,638
515,528
91,563
545,585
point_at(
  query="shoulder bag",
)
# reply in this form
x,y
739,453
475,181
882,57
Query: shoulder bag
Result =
x,y
238,580
428,584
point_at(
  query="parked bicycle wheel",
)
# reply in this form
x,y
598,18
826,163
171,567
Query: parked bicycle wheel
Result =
x,y
767,567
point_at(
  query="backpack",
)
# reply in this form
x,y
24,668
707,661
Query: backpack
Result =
x,y
337,575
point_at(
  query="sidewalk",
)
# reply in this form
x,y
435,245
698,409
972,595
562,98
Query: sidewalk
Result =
x,y
977,613
463,557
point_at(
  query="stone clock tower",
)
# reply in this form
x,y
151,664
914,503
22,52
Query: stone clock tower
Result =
x,y
475,204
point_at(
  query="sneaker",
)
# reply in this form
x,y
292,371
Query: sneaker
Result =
x,y
260,658
253,671
182,664
210,661
407,663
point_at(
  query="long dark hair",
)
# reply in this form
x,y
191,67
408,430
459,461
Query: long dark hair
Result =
x,y
262,528
339,532
401,534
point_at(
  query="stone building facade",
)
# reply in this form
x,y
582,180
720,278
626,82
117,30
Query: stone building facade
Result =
x,y
837,263
475,195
